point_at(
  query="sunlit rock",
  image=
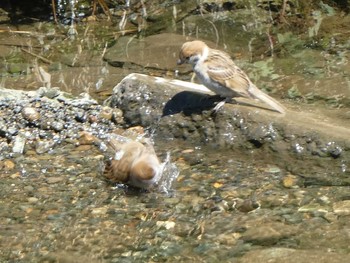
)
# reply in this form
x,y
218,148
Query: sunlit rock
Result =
x,y
30,114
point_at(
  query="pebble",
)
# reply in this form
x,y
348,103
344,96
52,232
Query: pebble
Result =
x,y
54,180
290,181
106,113
81,116
87,138
99,211
7,165
273,170
44,146
268,233
166,224
313,208
342,208
118,116
30,114
246,205
15,175
18,144
32,200
57,126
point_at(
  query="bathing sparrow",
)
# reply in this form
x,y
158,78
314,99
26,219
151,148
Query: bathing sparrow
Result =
x,y
135,164
220,74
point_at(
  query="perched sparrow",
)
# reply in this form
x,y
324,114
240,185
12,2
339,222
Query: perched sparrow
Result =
x,y
220,74
135,164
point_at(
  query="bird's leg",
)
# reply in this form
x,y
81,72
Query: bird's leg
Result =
x,y
221,104
193,77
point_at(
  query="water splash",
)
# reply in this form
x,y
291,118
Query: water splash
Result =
x,y
169,173
344,167
72,32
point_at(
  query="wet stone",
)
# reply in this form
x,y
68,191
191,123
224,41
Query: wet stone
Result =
x,y
314,208
7,165
99,211
57,126
46,123
246,205
44,146
290,181
81,115
288,255
29,188
268,233
49,92
118,116
106,113
87,139
18,145
12,130
33,200
342,208
54,180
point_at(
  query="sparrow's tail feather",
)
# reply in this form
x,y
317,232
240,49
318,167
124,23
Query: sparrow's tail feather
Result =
x,y
260,95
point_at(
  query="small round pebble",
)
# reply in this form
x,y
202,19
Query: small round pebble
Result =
x,y
30,114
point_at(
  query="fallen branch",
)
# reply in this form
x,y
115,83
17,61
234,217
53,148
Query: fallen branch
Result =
x,y
37,56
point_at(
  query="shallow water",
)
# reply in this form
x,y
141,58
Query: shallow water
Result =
x,y
57,207
220,207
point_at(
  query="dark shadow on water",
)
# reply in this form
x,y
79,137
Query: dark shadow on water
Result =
x,y
126,189
24,11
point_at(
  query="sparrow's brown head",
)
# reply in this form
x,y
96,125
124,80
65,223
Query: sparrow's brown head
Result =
x,y
135,164
143,171
191,51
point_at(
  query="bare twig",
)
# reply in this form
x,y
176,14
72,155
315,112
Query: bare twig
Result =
x,y
215,29
54,11
17,32
37,56
105,8
282,16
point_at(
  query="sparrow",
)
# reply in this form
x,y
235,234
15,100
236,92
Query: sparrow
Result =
x,y
135,164
217,71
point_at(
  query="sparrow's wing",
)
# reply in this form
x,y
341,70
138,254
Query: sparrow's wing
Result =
x,y
126,156
222,69
119,171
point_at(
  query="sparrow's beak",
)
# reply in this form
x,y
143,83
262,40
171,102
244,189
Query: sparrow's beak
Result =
x,y
180,61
